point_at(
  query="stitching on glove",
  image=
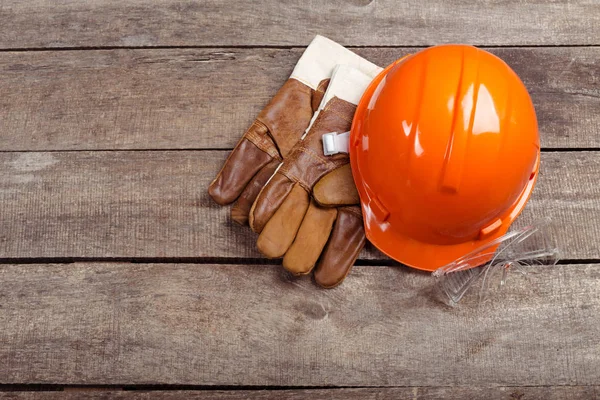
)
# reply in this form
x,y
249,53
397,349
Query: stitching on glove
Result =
x,y
295,179
312,155
257,134
342,116
322,86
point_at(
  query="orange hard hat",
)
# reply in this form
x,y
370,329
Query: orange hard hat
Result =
x,y
445,152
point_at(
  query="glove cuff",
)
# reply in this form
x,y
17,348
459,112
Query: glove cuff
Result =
x,y
347,83
320,59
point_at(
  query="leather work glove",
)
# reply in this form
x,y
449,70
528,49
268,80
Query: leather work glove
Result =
x,y
301,224
279,126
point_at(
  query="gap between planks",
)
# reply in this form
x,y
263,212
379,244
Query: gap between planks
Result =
x,y
216,261
543,150
260,393
273,47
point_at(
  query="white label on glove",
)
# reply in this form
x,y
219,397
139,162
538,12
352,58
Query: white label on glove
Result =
x,y
334,143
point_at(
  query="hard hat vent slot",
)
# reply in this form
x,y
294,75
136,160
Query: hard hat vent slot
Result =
x,y
379,210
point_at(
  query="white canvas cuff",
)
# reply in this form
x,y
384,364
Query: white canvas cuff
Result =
x,y
320,59
347,83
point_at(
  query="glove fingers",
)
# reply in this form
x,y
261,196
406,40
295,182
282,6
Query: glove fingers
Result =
x,y
255,150
269,199
345,243
337,188
279,232
312,236
241,208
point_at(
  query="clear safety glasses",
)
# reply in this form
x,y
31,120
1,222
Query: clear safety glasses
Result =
x,y
489,269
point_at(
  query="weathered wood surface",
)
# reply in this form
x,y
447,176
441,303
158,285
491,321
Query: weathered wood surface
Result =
x,y
188,324
206,98
155,204
414,393
131,324
82,23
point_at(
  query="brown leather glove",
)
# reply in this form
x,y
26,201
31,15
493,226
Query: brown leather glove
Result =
x,y
279,126
302,227
347,237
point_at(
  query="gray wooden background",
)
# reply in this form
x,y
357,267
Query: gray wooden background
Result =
x,y
120,278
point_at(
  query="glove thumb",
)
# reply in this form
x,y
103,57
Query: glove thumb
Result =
x,y
336,188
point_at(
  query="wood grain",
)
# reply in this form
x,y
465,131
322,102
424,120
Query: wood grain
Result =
x,y
414,393
188,324
212,325
206,98
97,23
155,204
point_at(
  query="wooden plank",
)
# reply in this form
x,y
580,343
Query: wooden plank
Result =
x,y
155,204
189,324
206,98
414,393
81,23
